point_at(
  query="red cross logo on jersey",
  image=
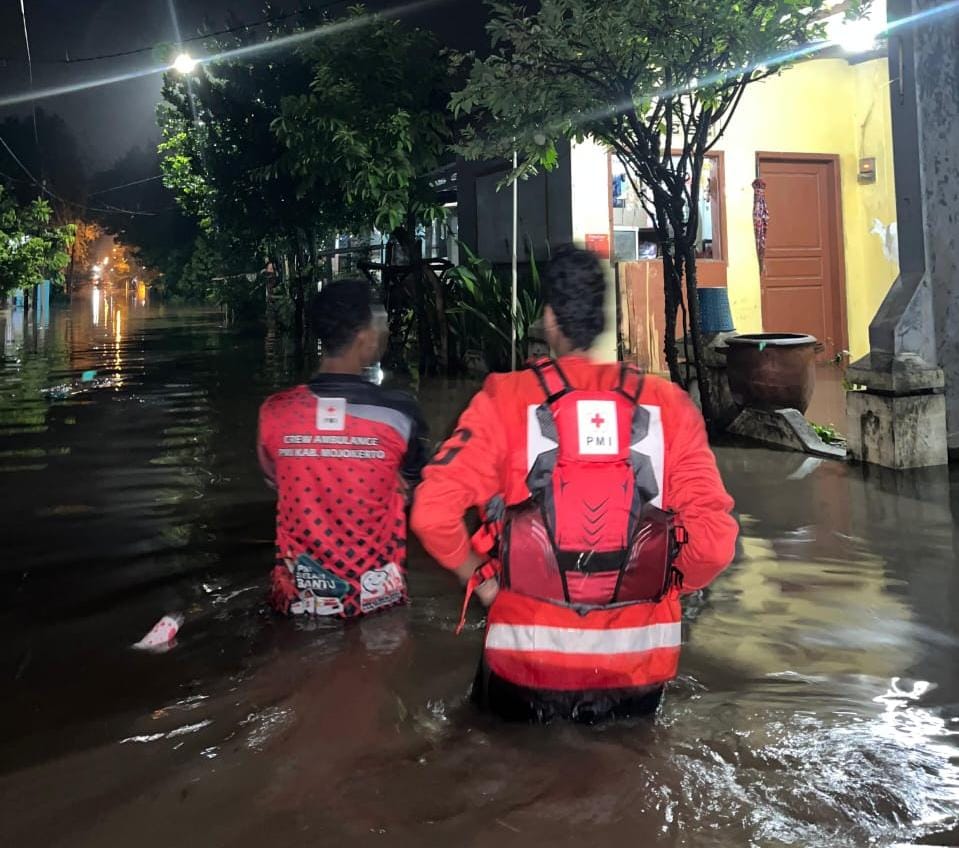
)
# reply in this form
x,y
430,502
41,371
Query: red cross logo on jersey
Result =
x,y
598,420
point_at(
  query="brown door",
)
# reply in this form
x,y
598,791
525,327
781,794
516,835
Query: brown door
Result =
x,y
803,285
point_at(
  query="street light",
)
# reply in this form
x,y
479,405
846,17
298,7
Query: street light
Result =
x,y
184,64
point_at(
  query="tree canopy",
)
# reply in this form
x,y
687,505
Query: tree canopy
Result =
x,y
373,125
631,73
275,151
340,134
32,248
656,81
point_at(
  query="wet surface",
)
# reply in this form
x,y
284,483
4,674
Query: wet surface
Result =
x,y
818,702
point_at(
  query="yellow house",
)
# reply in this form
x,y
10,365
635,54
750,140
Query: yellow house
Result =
x,y
819,135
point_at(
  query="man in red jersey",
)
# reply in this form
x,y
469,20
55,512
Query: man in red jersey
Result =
x,y
605,503
342,454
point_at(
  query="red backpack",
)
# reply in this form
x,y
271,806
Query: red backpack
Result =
x,y
589,537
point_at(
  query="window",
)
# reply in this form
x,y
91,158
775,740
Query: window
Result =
x,y
634,236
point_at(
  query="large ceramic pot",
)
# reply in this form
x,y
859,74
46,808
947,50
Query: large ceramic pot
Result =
x,y
772,370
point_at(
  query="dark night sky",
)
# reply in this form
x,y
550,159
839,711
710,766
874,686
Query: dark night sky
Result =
x,y
110,119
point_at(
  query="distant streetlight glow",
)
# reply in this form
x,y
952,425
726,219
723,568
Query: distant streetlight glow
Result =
x,y
184,64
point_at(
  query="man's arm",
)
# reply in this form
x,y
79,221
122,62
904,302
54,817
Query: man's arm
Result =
x,y
417,451
696,492
466,472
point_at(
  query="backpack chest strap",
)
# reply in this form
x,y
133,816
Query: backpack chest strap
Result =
x,y
551,378
630,383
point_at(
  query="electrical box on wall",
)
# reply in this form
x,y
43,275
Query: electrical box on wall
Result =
x,y
867,170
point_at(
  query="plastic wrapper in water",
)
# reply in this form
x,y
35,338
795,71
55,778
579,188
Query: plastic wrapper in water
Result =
x,y
163,633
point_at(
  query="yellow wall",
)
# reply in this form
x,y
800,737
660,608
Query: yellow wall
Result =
x,y
819,106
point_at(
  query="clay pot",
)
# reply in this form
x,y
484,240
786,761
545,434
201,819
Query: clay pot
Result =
x,y
772,370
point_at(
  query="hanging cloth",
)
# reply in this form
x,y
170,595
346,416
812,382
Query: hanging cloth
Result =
x,y
760,221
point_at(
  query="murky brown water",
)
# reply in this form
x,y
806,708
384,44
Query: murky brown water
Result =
x,y
818,703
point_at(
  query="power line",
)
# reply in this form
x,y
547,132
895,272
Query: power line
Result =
x,y
125,185
13,179
33,102
23,167
295,37
226,31
110,210
116,210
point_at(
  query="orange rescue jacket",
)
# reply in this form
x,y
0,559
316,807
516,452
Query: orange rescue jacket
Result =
x,y
541,645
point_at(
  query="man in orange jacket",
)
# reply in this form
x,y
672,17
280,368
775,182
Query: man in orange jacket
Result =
x,y
613,506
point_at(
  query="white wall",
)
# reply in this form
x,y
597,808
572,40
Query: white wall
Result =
x,y
591,198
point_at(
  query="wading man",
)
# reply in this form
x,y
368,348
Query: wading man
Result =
x,y
602,503
343,455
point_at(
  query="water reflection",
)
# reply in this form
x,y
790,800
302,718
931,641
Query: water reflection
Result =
x,y
12,331
818,702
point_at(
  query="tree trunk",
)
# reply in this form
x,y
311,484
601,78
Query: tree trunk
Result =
x,y
427,360
696,332
670,289
296,295
679,268
328,261
299,307
73,260
671,224
442,327
431,323
314,263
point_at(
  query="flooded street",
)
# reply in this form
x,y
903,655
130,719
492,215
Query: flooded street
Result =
x,y
818,702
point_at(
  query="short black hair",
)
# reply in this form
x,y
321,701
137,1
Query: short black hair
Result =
x,y
341,310
576,292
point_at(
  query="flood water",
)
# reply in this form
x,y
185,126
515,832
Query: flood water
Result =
x,y
818,703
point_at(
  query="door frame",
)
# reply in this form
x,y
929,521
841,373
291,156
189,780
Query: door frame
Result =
x,y
835,182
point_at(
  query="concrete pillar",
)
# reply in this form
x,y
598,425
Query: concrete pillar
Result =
x,y
899,421
937,100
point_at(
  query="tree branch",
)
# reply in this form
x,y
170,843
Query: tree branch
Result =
x,y
734,104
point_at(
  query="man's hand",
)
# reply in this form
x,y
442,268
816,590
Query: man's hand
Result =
x,y
487,590
466,569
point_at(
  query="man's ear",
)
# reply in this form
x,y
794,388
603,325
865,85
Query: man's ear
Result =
x,y
549,319
369,340
551,328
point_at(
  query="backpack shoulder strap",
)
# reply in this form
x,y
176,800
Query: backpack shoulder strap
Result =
x,y
630,383
551,379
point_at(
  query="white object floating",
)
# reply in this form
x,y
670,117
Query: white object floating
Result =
x,y
163,632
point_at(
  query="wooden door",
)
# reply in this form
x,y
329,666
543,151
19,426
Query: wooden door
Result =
x,y
803,287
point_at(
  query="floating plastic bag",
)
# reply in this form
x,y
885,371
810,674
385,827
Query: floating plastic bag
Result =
x,y
162,634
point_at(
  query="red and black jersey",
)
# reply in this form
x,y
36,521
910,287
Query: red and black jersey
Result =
x,y
342,454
